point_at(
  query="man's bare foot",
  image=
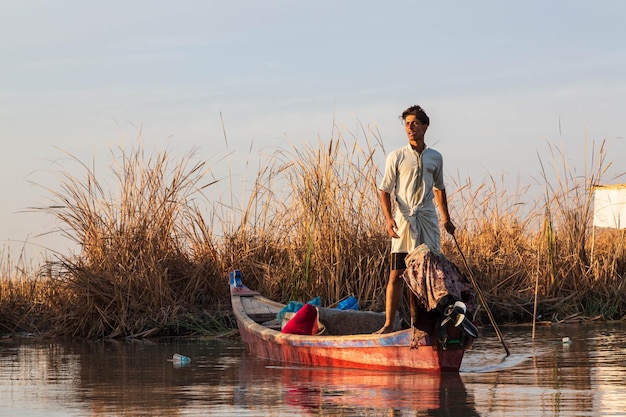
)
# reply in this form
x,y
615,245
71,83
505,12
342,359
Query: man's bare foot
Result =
x,y
384,330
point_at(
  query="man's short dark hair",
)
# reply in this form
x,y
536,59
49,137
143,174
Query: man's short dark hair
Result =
x,y
418,112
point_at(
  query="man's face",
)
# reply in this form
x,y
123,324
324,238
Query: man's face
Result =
x,y
415,130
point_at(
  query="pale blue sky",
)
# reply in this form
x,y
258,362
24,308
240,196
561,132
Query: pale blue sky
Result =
x,y
499,80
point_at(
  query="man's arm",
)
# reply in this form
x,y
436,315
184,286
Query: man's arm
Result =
x,y
442,202
385,200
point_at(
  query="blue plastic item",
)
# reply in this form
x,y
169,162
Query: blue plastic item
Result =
x,y
294,306
350,303
316,301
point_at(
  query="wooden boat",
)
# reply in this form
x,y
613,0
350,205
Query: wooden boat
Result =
x,y
256,320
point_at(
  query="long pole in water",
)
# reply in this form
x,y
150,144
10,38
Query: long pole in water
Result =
x,y
482,299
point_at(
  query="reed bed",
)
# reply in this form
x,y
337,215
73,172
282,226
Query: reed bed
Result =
x,y
534,256
139,271
156,247
313,226
24,297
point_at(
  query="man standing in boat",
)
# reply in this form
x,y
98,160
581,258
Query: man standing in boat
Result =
x,y
414,174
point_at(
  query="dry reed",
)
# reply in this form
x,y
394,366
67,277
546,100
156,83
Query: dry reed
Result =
x,y
540,249
313,225
139,271
151,263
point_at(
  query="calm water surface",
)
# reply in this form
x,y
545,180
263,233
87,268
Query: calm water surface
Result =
x,y
586,377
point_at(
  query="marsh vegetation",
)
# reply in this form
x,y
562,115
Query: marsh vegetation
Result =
x,y
156,248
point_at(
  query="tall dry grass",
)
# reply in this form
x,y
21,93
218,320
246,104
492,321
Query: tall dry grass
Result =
x,y
538,251
154,259
140,269
312,226
24,298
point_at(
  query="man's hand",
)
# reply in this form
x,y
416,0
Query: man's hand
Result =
x,y
392,228
450,227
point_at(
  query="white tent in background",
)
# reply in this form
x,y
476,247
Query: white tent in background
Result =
x,y
609,209
609,206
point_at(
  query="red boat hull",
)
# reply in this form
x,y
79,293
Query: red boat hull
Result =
x,y
391,351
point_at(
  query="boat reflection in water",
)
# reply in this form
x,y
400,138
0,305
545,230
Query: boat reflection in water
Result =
x,y
341,391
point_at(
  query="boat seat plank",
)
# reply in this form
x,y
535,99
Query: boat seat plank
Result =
x,y
258,311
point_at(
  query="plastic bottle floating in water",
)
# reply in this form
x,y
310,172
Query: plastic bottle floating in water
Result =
x,y
180,359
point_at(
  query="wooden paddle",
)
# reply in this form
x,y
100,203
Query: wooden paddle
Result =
x,y
480,296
